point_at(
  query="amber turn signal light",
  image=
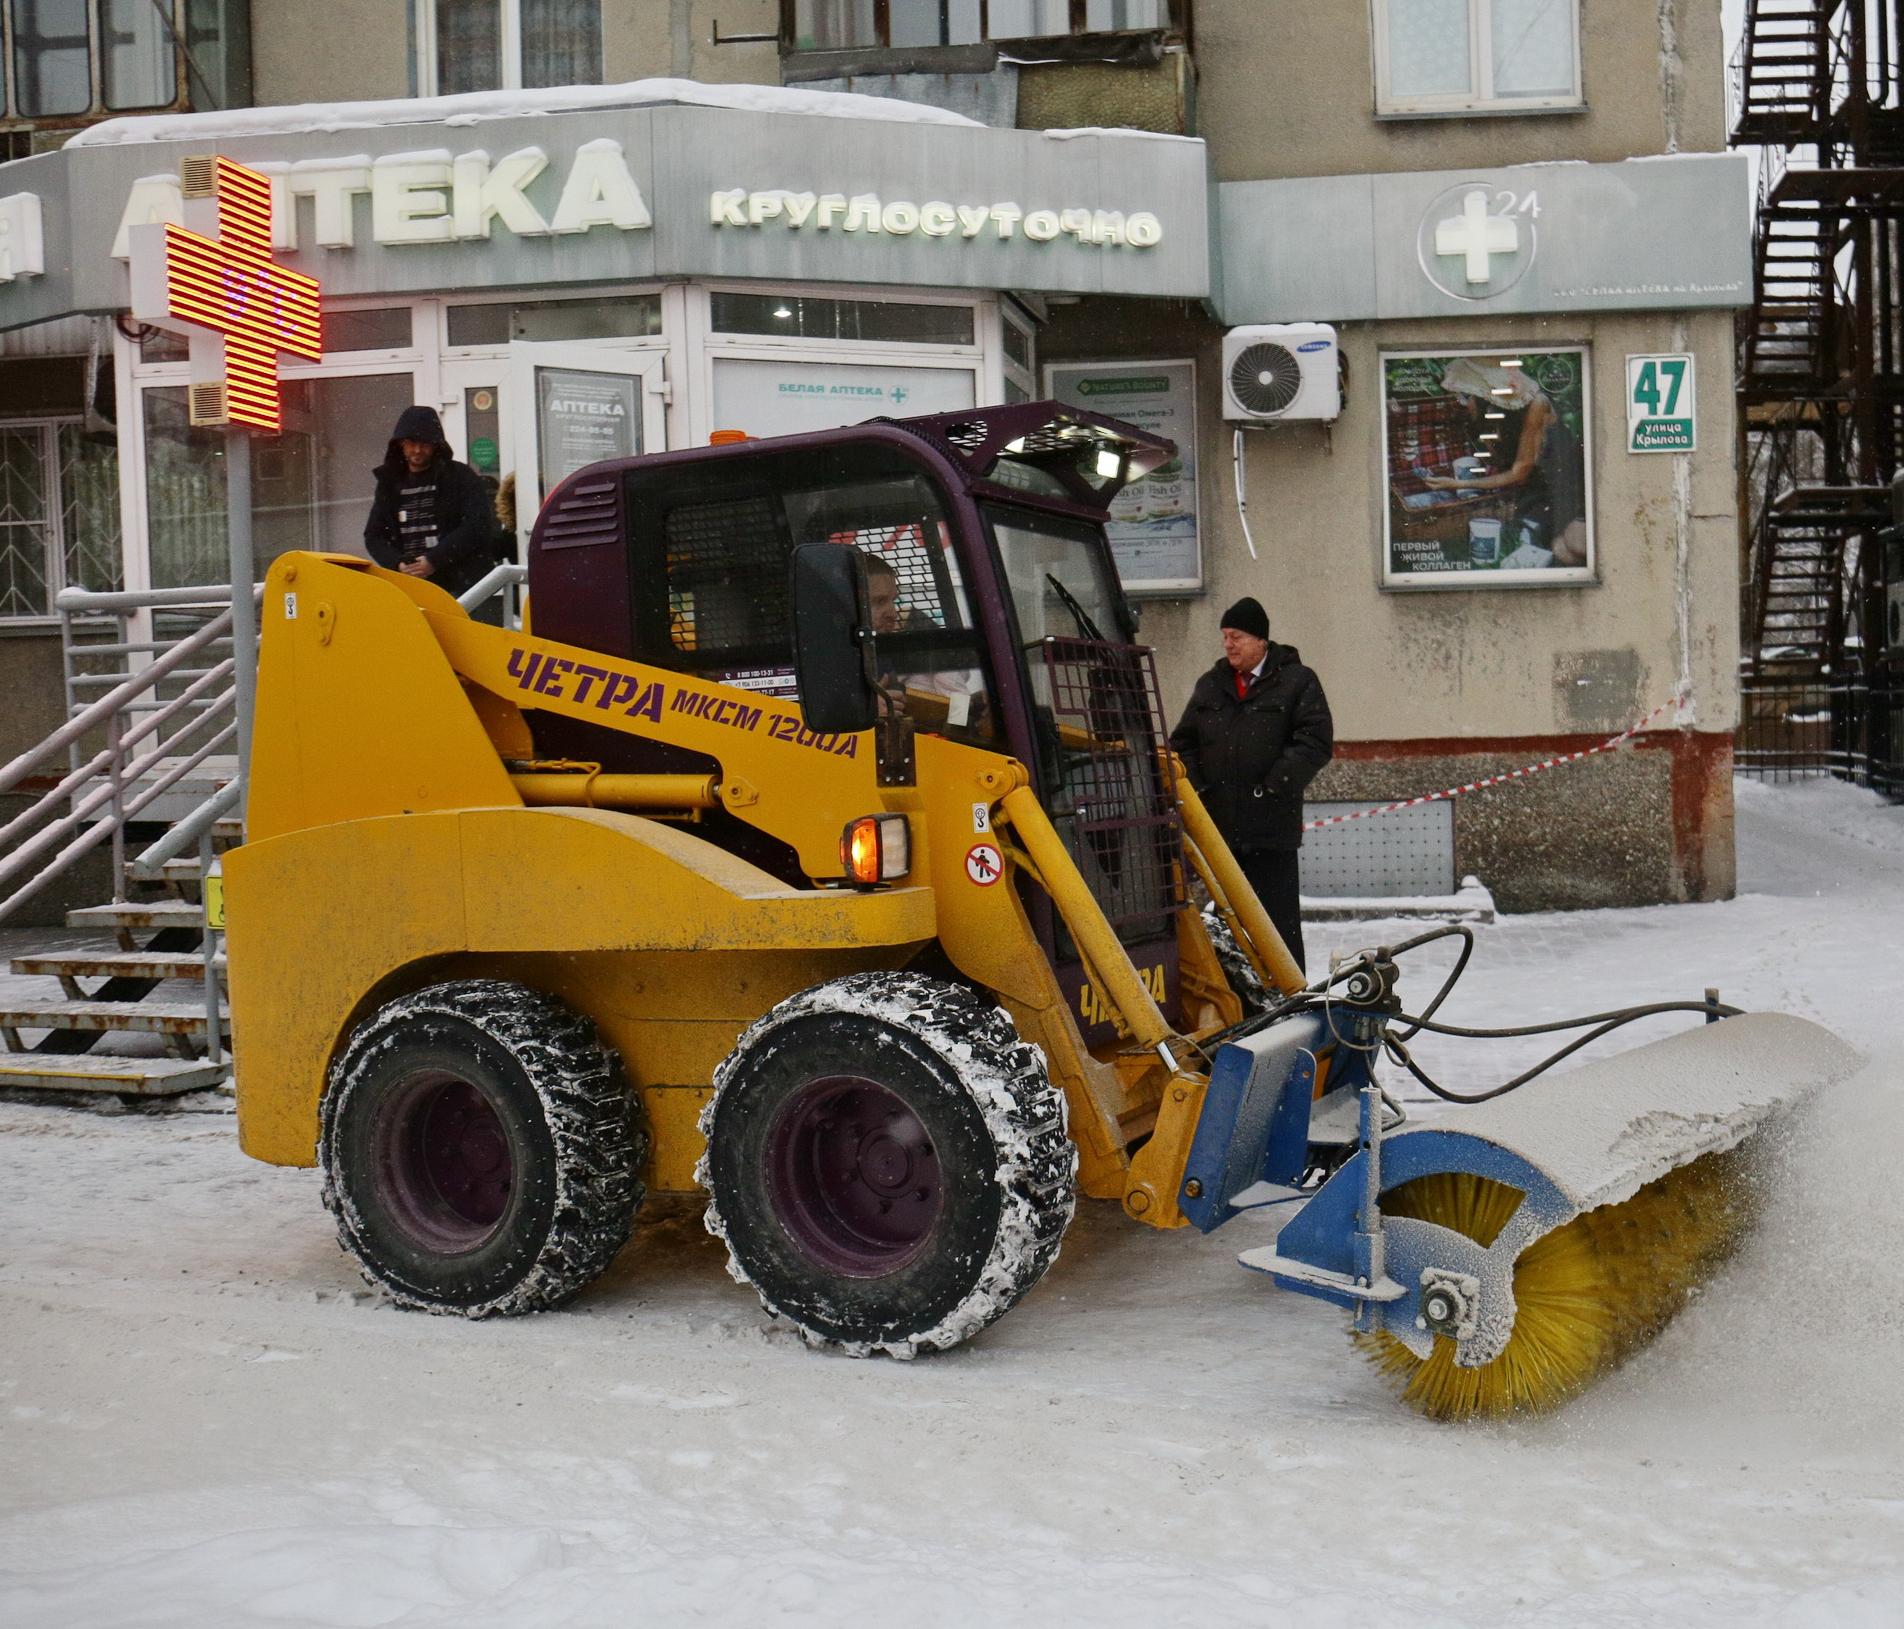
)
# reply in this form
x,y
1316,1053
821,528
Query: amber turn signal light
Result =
x,y
875,849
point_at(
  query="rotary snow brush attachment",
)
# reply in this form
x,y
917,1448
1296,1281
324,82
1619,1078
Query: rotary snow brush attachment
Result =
x,y
1499,1256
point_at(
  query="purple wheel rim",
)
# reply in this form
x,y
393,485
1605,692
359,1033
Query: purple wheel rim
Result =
x,y
853,1176
445,1161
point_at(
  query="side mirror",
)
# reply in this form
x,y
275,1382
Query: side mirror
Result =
x,y
832,627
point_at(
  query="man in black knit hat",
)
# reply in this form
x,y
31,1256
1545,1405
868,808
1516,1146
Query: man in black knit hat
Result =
x,y
1253,736
432,517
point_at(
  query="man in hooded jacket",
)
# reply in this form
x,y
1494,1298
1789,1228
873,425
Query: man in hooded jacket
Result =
x,y
1255,733
432,517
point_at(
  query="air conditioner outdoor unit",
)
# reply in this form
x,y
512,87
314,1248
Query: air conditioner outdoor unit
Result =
x,y
1274,373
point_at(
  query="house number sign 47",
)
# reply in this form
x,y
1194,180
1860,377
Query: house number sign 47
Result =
x,y
1659,404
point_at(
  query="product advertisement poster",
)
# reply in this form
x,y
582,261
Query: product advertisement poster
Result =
x,y
1488,468
1153,526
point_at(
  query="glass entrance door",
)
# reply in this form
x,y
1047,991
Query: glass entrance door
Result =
x,y
481,432
574,405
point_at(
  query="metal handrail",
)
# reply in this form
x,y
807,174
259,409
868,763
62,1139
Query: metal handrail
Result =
x,y
67,821
506,580
97,713
88,601
103,790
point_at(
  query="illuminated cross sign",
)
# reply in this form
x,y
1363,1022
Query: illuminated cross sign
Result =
x,y
214,280
1477,236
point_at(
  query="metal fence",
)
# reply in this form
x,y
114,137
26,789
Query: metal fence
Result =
x,y
1798,726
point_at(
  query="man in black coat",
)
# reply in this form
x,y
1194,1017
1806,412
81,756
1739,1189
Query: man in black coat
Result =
x,y
432,517
1253,736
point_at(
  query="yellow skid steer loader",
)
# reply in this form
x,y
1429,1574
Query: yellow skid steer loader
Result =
x,y
820,849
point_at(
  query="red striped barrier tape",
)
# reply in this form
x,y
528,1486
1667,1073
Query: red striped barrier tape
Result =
x,y
1607,745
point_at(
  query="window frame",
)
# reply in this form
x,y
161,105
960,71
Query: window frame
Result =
x,y
1479,97
509,45
59,542
1176,21
175,19
53,543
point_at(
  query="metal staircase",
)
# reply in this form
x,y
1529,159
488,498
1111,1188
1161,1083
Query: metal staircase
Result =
x,y
1780,71
154,751
1818,85
157,944
150,735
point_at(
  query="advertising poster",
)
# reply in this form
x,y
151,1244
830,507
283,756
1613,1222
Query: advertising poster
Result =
x,y
583,418
1153,524
782,398
1488,469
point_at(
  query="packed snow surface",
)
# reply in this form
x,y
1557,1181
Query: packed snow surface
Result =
x,y
205,1419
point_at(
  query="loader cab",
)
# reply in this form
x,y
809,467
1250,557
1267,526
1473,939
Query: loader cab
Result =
x,y
997,609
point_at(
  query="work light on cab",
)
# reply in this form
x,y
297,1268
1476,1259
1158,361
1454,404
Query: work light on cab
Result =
x,y
875,849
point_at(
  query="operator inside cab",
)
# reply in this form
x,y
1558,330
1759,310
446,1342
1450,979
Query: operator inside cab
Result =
x,y
937,698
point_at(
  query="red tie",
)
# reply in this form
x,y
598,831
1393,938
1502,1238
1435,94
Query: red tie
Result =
x,y
1242,685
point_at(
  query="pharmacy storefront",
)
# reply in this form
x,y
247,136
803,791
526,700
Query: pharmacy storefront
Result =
x,y
573,283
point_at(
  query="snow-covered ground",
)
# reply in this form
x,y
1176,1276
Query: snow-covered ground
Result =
x,y
206,1420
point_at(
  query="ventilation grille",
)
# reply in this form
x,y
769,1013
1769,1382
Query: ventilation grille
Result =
x,y
198,175
208,405
1265,378
589,513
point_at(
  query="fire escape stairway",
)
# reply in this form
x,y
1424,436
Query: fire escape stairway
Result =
x,y
1796,610
1786,351
1783,71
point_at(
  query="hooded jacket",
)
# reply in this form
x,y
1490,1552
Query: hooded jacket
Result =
x,y
466,525
1250,757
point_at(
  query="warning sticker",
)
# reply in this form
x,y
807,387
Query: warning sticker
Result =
x,y
984,864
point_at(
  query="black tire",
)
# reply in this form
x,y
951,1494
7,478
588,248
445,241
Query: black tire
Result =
x,y
887,1163
1237,967
480,1150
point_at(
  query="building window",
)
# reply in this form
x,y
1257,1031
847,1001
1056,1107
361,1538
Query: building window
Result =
x,y
1463,56
797,316
834,25
59,515
74,59
1489,479
484,45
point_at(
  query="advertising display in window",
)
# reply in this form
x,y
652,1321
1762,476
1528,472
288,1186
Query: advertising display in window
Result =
x,y
784,398
1453,56
1488,474
1153,522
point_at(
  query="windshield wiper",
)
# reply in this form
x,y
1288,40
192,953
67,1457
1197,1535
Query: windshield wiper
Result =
x,y
1085,625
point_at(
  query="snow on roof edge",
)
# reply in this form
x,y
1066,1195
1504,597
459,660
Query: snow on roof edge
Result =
x,y
476,106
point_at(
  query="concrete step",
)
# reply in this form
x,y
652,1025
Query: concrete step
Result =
x,y
112,964
154,913
95,1072
185,1018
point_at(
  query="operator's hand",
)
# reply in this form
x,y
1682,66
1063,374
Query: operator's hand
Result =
x,y
419,567
1439,483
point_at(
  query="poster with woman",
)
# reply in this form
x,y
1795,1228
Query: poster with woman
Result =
x,y
1488,470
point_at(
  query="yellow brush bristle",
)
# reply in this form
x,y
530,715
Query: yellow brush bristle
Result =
x,y
1586,1294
